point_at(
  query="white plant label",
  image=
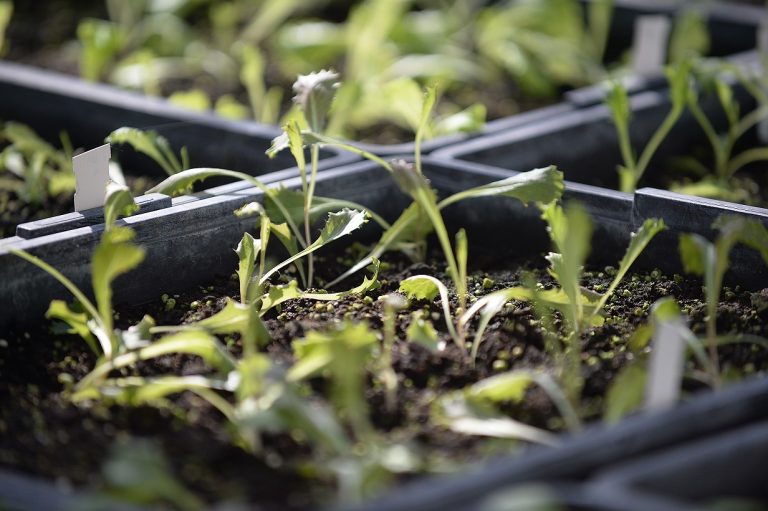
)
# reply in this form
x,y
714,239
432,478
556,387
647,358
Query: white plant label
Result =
x,y
92,177
665,371
762,47
649,47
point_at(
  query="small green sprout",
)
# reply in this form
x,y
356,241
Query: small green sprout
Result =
x,y
617,100
711,260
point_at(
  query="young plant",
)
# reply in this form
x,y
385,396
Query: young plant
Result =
x,y
570,230
717,180
617,100
474,410
116,254
314,95
151,144
711,260
254,285
540,185
39,170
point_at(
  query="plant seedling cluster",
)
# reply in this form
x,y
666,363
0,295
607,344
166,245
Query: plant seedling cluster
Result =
x,y
321,398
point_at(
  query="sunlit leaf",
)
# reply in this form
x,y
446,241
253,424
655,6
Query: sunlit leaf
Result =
x,y
542,185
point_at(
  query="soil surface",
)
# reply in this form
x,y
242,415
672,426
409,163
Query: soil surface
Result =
x,y
42,433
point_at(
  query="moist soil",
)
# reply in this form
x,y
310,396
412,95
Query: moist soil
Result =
x,y
42,433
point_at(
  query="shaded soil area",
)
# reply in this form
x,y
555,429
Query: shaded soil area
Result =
x,y
42,433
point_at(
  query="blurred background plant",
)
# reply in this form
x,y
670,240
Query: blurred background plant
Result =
x,y
490,59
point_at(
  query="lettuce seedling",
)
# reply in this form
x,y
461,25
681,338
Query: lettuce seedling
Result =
x,y
617,100
570,230
711,260
344,352
474,409
39,170
314,95
153,145
254,285
116,254
717,180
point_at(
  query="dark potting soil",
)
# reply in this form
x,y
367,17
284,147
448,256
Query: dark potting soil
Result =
x,y
42,433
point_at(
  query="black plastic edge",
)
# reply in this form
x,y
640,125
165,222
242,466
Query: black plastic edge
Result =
x,y
95,216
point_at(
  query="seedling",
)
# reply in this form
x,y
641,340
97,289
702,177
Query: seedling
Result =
x,y
617,100
717,180
711,260
38,170
314,94
153,145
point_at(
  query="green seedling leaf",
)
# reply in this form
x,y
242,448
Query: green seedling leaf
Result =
x,y
542,185
459,416
280,294
6,10
469,120
119,202
344,352
511,386
337,225
247,251
690,37
314,94
571,232
151,144
235,317
502,388
694,253
99,328
115,255
637,244
626,393
421,287
421,332
194,99
101,41
77,321
227,106
190,342
138,335
425,287
137,391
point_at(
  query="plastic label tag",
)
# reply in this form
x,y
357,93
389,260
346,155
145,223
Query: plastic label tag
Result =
x,y
665,371
92,177
649,46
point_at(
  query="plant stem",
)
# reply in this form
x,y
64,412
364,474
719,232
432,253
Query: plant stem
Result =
x,y
656,140
745,158
308,196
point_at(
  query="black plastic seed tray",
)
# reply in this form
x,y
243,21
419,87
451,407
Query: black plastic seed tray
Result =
x,y
192,241
585,146
51,103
